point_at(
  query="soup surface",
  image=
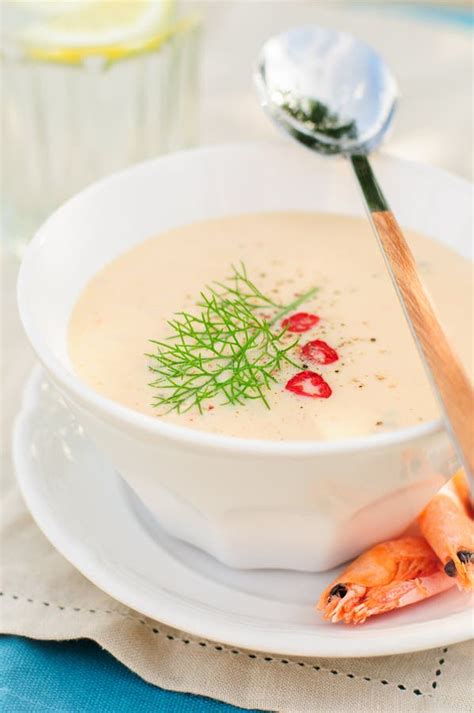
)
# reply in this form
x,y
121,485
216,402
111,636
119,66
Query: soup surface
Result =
x,y
369,376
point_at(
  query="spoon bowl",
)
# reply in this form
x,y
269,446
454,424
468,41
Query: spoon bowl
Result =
x,y
328,89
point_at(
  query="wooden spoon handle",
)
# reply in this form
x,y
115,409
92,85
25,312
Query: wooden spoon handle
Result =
x,y
448,376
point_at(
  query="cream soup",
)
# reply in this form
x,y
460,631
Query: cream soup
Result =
x,y
369,376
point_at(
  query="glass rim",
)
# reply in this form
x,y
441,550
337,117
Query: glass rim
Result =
x,y
102,54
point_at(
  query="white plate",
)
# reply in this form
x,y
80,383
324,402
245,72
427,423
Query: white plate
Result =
x,y
91,517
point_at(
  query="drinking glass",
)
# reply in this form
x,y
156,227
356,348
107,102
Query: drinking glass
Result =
x,y
70,118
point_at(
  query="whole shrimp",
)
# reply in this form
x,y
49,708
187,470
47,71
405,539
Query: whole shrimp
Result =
x,y
388,576
447,525
410,569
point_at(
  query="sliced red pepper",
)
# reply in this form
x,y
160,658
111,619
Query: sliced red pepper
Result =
x,y
308,383
300,322
319,352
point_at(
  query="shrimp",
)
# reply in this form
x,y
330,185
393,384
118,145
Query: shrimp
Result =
x,y
448,527
390,575
461,483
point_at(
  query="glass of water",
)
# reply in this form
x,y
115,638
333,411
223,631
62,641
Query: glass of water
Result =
x,y
82,98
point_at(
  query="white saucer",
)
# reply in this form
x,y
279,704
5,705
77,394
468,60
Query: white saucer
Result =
x,y
94,520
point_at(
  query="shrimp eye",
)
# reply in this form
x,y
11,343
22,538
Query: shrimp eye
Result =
x,y
465,556
339,590
450,568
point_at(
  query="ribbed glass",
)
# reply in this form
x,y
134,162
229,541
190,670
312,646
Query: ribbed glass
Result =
x,y
66,125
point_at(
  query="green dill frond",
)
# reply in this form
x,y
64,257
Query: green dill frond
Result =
x,y
228,351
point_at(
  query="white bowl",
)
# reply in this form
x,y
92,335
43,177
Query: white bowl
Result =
x,y
250,503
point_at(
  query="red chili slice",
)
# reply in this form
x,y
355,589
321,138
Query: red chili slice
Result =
x,y
300,322
319,352
308,383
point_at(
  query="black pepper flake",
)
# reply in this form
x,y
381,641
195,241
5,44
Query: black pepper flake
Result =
x,y
379,423
372,339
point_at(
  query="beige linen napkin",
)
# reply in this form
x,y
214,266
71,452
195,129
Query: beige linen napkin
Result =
x,y
44,597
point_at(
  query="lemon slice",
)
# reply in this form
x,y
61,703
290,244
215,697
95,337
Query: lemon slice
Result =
x,y
71,30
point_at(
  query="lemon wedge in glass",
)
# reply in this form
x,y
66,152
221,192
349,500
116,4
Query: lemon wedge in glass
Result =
x,y
73,30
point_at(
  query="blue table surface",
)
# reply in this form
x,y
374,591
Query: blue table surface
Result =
x,y
80,677
33,674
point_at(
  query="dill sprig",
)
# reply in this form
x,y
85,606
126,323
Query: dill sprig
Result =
x,y
230,350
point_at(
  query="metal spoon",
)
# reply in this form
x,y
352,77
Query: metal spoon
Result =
x,y
335,95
